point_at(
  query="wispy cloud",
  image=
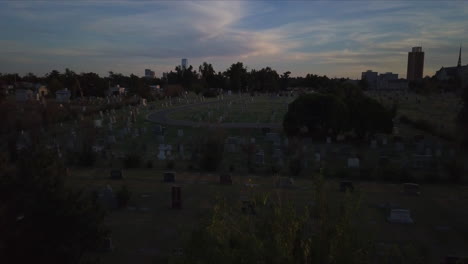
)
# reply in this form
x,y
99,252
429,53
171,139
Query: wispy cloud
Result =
x,y
334,38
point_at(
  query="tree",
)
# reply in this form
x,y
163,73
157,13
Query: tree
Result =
x,y
284,80
237,75
207,75
54,85
320,113
42,217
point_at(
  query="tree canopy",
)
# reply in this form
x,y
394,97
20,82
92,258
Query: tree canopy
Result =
x,y
41,220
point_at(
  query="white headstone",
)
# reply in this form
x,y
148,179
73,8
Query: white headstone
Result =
x,y
353,163
180,132
400,216
98,123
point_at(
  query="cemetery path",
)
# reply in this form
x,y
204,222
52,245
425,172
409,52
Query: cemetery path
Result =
x,y
161,117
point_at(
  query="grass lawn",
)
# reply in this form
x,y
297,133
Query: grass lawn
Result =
x,y
149,229
261,109
440,110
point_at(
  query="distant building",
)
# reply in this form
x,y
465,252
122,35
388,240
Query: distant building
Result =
x,y
149,73
415,64
457,73
117,90
41,90
23,95
63,96
184,64
384,81
371,78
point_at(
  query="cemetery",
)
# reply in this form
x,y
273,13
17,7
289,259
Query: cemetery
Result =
x,y
161,162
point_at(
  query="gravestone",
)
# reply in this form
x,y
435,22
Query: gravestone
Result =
x,y
116,174
260,158
176,197
169,176
158,130
411,188
248,207
353,163
284,182
98,123
107,245
399,146
107,198
317,157
401,216
180,133
346,185
373,144
328,140
225,179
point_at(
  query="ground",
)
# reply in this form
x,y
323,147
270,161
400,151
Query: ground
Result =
x,y
148,229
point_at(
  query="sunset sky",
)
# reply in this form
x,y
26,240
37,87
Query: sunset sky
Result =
x,y
335,38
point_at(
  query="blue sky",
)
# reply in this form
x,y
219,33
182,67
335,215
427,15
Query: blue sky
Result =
x,y
336,38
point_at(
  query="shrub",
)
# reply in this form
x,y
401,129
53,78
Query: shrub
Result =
x,y
149,164
132,161
212,154
170,165
123,196
295,166
87,157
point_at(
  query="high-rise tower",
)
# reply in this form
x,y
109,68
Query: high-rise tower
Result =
x,y
459,58
415,64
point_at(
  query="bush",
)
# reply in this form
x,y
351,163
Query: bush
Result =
x,y
295,167
123,196
87,157
212,154
170,165
132,161
149,164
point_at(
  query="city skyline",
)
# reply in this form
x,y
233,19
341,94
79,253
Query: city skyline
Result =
x,y
337,39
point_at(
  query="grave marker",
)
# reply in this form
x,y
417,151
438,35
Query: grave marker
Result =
x,y
176,197
401,216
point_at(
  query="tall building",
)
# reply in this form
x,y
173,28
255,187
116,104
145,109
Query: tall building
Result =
x,y
371,78
149,73
415,64
184,64
459,58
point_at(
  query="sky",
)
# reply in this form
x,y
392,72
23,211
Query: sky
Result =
x,y
333,38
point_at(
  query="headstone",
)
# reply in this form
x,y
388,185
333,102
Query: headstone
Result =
x,y
346,185
401,216
353,163
260,158
411,188
180,133
107,245
284,182
176,197
169,176
107,198
116,174
225,179
328,140
317,157
374,144
248,207
98,123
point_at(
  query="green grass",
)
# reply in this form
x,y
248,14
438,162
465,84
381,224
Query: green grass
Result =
x,y
260,109
142,236
437,109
